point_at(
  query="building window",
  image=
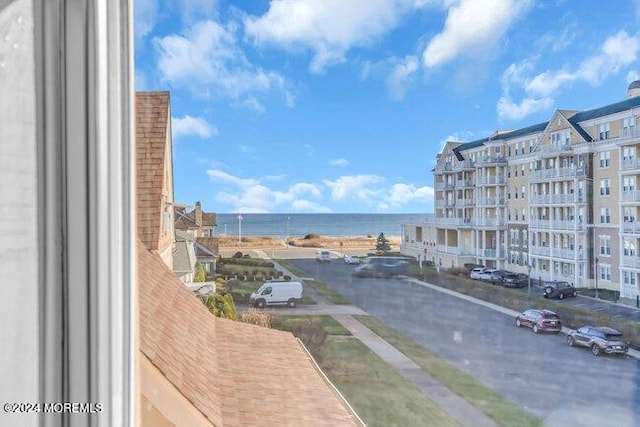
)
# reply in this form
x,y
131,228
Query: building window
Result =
x,y
628,153
605,246
628,184
604,131
629,277
605,159
605,216
628,127
605,272
605,187
628,214
522,193
629,248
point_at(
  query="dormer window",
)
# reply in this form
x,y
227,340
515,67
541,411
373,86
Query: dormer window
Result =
x,y
604,131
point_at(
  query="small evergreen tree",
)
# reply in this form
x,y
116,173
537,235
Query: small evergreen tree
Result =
x,y
201,273
382,244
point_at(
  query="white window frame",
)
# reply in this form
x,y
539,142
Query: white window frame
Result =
x,y
605,187
605,159
604,131
605,216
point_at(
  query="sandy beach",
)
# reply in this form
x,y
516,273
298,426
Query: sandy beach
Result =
x,y
310,241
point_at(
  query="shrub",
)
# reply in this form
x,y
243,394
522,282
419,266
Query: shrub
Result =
x,y
201,273
256,317
237,255
221,306
458,271
287,278
311,236
313,336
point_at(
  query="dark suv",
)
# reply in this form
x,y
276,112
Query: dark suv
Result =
x,y
513,280
601,339
539,321
559,290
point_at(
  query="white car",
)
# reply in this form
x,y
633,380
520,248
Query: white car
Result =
x,y
351,259
476,272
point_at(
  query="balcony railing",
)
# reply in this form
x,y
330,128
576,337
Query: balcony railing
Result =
x,y
630,164
557,148
628,132
630,261
453,222
490,222
548,199
630,196
490,201
567,172
465,202
491,180
557,224
490,160
631,227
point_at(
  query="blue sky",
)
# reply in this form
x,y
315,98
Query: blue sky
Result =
x,y
289,106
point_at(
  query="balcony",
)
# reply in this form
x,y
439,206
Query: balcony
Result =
x,y
452,222
540,250
490,253
628,132
630,164
557,224
490,201
491,160
466,184
545,174
465,202
630,261
555,148
490,222
445,167
630,196
557,199
468,164
631,227
451,250
491,180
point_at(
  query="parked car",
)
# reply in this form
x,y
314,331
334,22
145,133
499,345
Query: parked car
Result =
x,y
486,275
277,293
382,266
351,259
513,280
475,272
600,339
497,276
539,321
323,255
559,290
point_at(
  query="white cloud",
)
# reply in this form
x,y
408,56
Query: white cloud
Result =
x,y
616,52
507,109
401,79
145,16
192,126
196,10
251,195
472,27
632,76
207,60
362,187
258,195
329,27
339,162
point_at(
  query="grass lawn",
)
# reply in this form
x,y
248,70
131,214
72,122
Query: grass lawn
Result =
x,y
378,394
328,323
504,412
331,295
294,270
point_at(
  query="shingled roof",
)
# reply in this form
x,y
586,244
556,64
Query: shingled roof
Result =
x,y
235,374
152,127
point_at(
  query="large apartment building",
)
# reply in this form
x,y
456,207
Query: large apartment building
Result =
x,y
558,199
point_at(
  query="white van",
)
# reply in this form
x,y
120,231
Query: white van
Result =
x,y
323,255
277,293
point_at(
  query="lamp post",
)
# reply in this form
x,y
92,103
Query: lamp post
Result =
x,y
286,240
597,277
529,284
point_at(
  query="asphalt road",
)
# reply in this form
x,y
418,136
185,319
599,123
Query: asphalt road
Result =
x,y
563,385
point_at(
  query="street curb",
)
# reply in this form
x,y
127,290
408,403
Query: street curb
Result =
x,y
507,311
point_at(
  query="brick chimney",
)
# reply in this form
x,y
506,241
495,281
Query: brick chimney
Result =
x,y
198,212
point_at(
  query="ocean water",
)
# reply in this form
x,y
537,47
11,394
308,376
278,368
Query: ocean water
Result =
x,y
298,225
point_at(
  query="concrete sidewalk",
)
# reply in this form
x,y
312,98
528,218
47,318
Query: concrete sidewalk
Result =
x,y
456,407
